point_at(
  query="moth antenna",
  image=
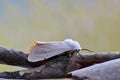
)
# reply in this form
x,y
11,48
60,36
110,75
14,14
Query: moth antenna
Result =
x,y
31,46
86,50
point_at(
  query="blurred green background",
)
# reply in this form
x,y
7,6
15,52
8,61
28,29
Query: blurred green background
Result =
x,y
95,24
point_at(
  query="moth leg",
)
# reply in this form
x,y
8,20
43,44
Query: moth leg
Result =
x,y
80,55
71,53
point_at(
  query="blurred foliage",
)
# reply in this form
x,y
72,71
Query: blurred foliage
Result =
x,y
94,23
10,68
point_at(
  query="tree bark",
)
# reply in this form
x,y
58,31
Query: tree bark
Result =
x,y
56,67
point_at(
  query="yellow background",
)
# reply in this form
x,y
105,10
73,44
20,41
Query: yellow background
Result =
x,y
95,24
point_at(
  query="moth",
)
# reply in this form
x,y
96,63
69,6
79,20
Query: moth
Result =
x,y
39,51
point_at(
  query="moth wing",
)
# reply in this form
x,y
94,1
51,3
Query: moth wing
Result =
x,y
42,51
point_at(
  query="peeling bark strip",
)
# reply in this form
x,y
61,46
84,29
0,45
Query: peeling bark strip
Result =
x,y
56,67
109,70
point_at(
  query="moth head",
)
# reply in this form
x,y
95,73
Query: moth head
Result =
x,y
73,44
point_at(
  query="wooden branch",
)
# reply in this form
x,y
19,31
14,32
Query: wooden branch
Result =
x,y
13,57
92,58
56,67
